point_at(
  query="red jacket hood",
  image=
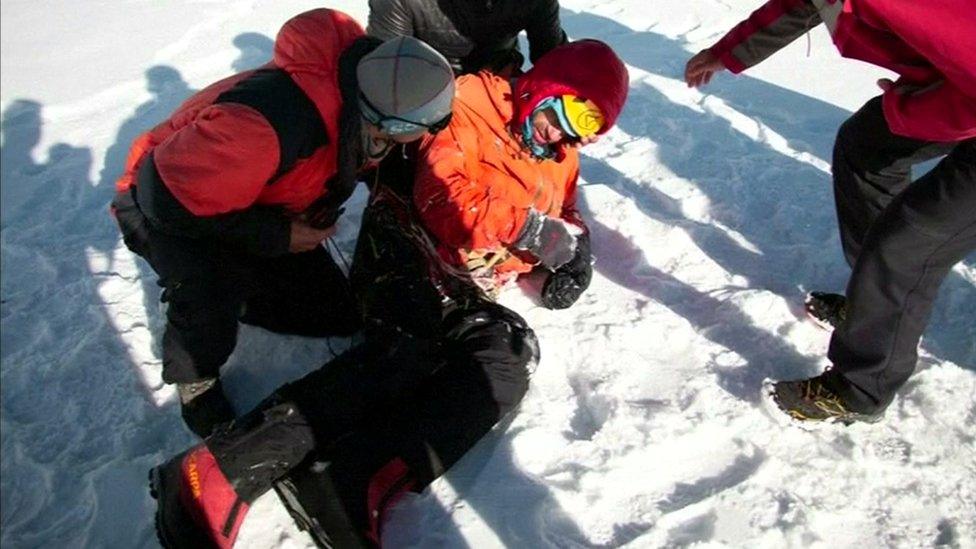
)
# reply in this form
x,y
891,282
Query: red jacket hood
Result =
x,y
585,68
308,47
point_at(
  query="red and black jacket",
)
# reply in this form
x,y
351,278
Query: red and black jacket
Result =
x,y
931,45
238,159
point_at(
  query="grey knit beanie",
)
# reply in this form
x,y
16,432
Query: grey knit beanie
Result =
x,y
406,79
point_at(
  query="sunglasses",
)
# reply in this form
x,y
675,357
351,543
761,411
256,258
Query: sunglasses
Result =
x,y
394,125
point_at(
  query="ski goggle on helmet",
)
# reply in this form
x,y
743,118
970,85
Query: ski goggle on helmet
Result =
x,y
395,125
577,116
405,86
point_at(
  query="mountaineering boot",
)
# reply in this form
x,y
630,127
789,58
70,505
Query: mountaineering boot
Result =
x,y
808,400
197,505
205,492
826,309
204,406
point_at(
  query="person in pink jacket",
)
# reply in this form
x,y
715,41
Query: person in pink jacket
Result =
x,y
900,236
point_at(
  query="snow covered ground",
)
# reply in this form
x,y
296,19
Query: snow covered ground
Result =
x,y
711,214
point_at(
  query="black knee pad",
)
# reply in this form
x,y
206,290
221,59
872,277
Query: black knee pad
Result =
x,y
491,332
482,317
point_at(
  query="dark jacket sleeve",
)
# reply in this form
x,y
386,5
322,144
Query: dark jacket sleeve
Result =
x,y
766,31
544,30
260,230
389,19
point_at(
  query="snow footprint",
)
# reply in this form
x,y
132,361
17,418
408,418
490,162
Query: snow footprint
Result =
x,y
592,408
689,493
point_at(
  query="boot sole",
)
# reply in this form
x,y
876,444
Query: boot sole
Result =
x,y
171,538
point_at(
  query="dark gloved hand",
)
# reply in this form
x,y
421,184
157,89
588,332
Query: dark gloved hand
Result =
x,y
549,239
323,212
567,283
323,218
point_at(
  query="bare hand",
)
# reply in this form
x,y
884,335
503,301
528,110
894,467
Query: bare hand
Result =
x,y
305,237
701,67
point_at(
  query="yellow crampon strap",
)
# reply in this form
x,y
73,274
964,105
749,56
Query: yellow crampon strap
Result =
x,y
475,261
481,268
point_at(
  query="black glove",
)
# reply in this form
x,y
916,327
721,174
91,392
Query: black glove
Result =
x,y
323,213
548,239
567,283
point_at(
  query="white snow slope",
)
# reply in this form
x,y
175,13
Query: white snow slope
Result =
x,y
711,213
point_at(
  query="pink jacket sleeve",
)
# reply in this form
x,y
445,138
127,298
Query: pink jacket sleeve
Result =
x,y
942,32
764,32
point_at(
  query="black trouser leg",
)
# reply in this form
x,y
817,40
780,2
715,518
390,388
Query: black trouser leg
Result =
x,y
132,224
208,287
205,289
256,449
481,373
490,352
906,253
303,294
358,432
391,278
201,320
871,166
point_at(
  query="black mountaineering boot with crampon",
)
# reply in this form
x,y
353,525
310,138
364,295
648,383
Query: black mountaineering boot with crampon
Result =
x,y
826,309
809,400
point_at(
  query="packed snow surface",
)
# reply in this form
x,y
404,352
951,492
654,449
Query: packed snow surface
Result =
x,y
711,213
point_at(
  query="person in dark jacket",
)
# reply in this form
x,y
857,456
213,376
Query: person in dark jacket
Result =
x,y
230,198
441,363
472,34
901,237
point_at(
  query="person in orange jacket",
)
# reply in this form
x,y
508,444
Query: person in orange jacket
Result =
x,y
497,189
230,198
901,237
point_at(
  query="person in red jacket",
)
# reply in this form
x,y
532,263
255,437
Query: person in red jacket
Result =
x,y
230,198
901,237
441,363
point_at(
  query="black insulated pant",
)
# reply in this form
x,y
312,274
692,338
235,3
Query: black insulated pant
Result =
x,y
902,238
373,441
434,376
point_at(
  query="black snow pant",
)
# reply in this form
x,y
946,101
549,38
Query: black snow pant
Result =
x,y
433,376
209,288
901,238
